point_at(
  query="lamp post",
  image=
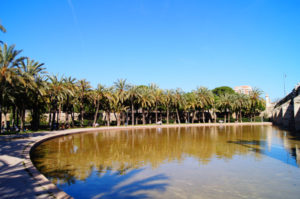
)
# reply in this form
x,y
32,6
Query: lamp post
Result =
x,y
284,77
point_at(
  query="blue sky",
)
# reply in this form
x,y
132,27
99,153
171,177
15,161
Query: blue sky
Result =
x,y
183,43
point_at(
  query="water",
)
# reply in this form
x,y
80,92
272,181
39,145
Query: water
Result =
x,y
187,162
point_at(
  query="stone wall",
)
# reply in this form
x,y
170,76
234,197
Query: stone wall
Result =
x,y
286,112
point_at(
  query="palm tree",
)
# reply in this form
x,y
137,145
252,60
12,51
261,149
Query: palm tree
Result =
x,y
97,95
56,94
70,86
133,95
157,95
145,100
188,105
205,99
191,99
3,30
167,101
33,87
83,88
255,101
177,102
240,102
117,107
107,103
121,88
8,63
225,104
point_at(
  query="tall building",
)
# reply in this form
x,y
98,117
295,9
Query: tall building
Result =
x,y
243,89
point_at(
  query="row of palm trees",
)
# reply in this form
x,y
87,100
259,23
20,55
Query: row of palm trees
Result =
x,y
25,85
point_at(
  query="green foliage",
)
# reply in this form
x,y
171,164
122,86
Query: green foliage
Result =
x,y
25,85
223,90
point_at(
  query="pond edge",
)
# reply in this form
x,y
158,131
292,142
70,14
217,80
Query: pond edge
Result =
x,y
53,191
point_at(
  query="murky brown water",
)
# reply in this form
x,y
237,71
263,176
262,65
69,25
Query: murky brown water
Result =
x,y
195,162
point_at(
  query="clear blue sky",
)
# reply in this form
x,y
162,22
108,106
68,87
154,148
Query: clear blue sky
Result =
x,y
183,43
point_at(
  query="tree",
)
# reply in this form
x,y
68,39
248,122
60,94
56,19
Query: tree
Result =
x,y
107,103
205,100
83,89
3,30
255,102
177,102
70,86
8,62
97,95
240,102
167,101
56,94
133,96
121,88
33,90
222,90
225,104
145,100
157,96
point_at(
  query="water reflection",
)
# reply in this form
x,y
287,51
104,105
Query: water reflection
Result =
x,y
113,157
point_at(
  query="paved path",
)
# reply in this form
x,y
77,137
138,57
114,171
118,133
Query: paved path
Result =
x,y
20,179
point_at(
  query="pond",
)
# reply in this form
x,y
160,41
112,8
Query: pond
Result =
x,y
186,162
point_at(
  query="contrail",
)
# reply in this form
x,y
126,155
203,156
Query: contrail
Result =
x,y
76,22
73,11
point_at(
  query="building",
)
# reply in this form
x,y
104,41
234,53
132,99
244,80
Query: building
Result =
x,y
243,89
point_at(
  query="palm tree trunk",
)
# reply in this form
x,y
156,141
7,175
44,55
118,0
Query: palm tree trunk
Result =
x,y
49,121
118,119
53,120
58,114
121,118
81,114
107,115
215,116
35,118
96,114
149,117
73,117
115,116
167,115
161,117
241,117
144,119
193,117
22,124
22,116
67,113
5,120
17,116
67,118
225,117
156,117
132,114
203,116
178,118
13,116
228,117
